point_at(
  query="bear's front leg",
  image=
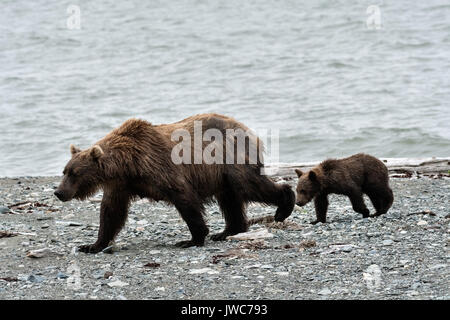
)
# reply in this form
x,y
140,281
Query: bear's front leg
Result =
x,y
321,206
113,213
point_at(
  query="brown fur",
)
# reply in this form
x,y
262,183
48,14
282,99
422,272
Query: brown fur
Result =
x,y
134,160
353,176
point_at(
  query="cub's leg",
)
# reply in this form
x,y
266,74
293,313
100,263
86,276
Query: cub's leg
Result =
x,y
113,214
321,206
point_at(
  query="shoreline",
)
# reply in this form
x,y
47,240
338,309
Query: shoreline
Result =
x,y
407,166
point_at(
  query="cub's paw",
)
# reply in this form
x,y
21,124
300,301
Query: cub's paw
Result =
x,y
316,222
90,248
188,244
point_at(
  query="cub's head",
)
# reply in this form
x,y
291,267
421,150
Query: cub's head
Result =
x,y
307,187
81,174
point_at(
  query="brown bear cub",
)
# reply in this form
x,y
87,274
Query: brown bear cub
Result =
x,y
136,161
353,176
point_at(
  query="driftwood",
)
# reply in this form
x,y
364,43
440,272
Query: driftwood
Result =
x,y
401,167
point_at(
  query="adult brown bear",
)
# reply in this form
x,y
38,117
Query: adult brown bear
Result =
x,y
136,160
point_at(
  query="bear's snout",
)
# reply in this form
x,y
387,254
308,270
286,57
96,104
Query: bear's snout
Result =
x,y
60,195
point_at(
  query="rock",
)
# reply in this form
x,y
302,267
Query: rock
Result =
x,y
372,276
203,270
324,292
44,218
107,275
387,242
117,284
61,275
142,222
98,274
262,233
422,223
40,253
35,278
109,249
438,266
4,210
69,223
339,248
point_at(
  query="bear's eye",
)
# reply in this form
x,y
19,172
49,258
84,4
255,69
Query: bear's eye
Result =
x,y
303,192
72,173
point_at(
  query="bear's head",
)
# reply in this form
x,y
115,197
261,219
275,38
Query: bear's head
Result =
x,y
82,176
307,187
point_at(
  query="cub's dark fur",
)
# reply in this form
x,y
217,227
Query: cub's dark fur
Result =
x,y
353,176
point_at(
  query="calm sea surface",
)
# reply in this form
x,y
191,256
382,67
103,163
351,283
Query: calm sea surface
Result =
x,y
317,71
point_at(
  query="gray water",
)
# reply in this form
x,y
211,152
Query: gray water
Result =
x,y
314,70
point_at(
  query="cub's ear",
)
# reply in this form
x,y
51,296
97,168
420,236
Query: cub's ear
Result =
x,y
298,172
74,150
312,176
96,152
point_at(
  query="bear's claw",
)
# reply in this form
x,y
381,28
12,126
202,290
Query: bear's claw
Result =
x,y
188,244
89,248
220,236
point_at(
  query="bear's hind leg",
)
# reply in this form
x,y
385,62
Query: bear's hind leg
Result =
x,y
382,201
193,216
233,209
358,204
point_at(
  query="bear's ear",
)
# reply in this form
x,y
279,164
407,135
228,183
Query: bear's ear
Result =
x,y
298,172
312,176
74,150
96,152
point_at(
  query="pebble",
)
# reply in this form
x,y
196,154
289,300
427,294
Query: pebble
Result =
x,y
324,292
422,223
387,242
4,210
35,278
203,270
117,284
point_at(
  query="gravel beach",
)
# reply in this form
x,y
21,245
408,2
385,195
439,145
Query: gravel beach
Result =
x,y
402,255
